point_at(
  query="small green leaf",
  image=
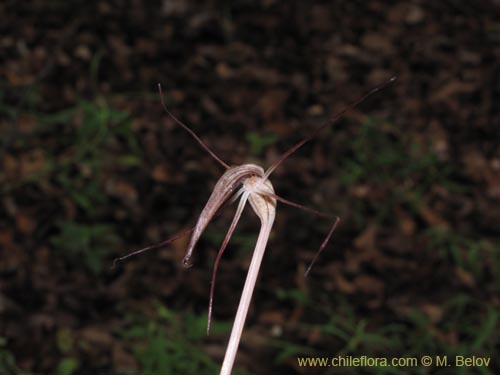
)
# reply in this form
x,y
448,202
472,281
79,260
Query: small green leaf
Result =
x,y
67,366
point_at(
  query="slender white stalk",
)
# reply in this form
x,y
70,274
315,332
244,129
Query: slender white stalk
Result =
x,y
265,209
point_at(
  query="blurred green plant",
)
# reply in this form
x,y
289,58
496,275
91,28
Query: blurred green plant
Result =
x,y
297,296
91,137
480,258
169,343
94,137
388,162
67,366
258,143
86,244
474,322
379,154
242,242
353,331
91,149
7,360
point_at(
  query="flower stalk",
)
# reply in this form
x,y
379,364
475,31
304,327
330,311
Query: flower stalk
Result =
x,y
265,207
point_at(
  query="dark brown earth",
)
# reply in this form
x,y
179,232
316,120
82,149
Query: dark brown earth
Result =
x,y
92,168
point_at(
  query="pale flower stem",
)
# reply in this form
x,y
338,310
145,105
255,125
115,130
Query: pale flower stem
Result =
x,y
246,296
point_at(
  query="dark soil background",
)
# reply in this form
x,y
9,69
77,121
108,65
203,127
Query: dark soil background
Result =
x,y
92,168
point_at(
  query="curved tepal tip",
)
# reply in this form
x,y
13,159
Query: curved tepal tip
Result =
x,y
186,262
